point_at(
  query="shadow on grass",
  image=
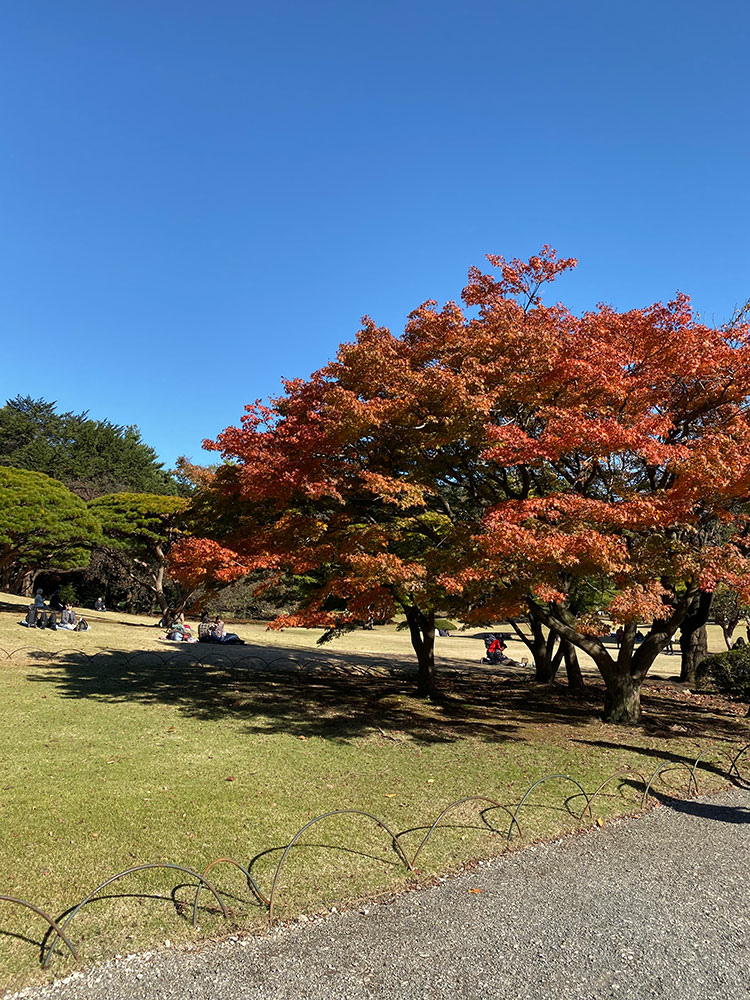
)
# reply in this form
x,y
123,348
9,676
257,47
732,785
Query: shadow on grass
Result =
x,y
727,730
296,692
37,942
350,695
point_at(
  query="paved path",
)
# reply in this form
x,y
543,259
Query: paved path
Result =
x,y
653,907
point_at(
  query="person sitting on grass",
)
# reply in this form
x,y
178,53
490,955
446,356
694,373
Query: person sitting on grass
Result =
x,y
179,631
31,617
39,599
496,651
55,602
68,619
219,633
99,604
45,619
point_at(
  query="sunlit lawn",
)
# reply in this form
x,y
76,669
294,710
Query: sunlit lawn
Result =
x,y
108,764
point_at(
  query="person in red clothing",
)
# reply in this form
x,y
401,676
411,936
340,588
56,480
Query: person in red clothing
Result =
x,y
496,650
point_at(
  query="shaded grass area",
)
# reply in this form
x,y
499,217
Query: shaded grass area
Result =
x,y
107,763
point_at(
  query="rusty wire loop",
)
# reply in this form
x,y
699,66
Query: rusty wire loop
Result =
x,y
251,883
670,766
129,871
618,774
704,755
453,805
45,916
334,812
541,781
734,763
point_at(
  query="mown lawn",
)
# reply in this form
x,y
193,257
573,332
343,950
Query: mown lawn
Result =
x,y
107,763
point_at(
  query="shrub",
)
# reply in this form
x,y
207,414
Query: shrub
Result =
x,y
730,672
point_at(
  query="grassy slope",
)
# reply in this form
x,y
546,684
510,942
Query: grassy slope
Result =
x,y
106,765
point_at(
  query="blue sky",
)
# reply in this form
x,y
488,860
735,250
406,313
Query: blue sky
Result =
x,y
199,198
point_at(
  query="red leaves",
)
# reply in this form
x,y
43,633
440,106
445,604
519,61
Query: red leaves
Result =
x,y
195,560
490,460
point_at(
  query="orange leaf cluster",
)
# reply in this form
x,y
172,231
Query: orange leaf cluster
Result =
x,y
195,561
501,455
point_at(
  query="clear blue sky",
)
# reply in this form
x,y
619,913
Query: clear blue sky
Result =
x,y
200,197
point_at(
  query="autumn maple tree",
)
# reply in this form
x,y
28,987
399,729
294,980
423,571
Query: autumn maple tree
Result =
x,y
626,444
506,459
327,484
201,566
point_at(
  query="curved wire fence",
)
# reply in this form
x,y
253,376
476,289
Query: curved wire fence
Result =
x,y
627,775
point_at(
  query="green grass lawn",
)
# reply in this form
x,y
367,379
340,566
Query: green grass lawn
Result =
x,y
106,764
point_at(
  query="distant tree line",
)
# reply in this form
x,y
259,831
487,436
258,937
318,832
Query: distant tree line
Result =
x,y
91,457
85,502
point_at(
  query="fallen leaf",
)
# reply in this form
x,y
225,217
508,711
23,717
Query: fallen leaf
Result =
x,y
230,778
390,795
476,890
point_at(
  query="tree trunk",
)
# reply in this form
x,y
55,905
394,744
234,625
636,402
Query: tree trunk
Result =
x,y
572,666
158,587
422,632
624,675
622,702
546,659
693,642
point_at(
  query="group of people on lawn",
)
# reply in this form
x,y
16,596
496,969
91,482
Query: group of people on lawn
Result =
x,y
208,631
40,614
43,615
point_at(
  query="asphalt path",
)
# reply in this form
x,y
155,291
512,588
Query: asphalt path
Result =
x,y
657,906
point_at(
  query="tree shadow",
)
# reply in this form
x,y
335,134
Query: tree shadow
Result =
x,y
662,755
345,695
306,693
705,810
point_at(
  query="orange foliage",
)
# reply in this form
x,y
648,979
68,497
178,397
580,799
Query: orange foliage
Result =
x,y
506,454
194,562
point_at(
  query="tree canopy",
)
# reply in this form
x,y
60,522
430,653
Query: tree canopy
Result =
x,y
42,526
139,529
511,458
92,457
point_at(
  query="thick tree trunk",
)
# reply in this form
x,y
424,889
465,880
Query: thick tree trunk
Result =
x,y
693,642
572,666
624,675
622,701
694,649
422,632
